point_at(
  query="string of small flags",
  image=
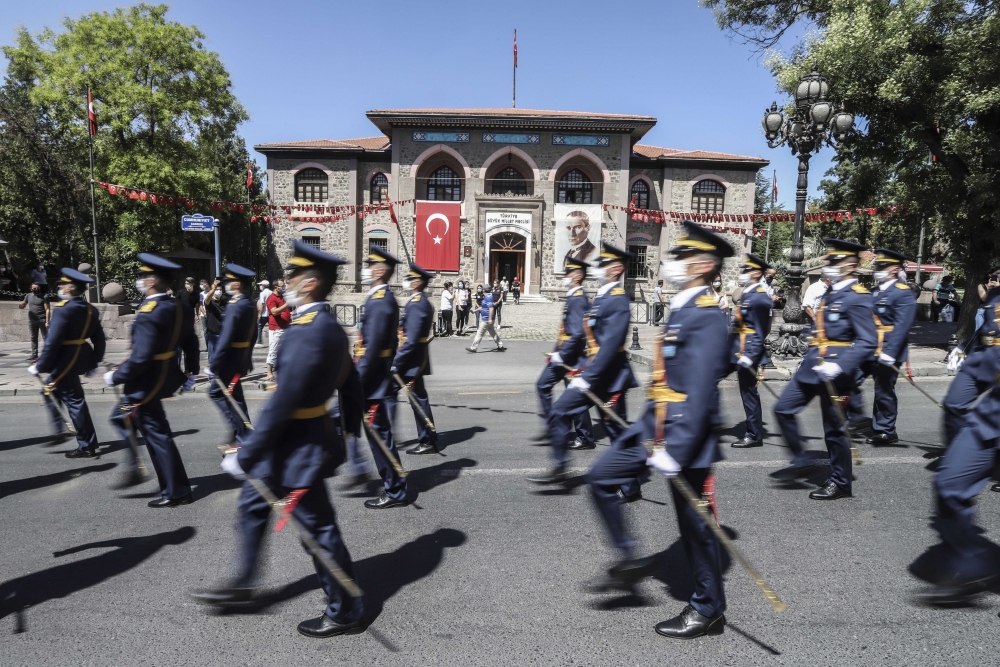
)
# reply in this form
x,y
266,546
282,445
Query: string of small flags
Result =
x,y
660,217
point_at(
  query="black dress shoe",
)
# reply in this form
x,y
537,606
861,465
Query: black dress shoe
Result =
x,y
324,626
691,624
556,476
500,349
58,439
541,436
792,473
579,444
831,491
470,349
384,502
172,502
881,438
995,487
85,453
746,442
955,591
227,596
423,448
354,481
629,499
134,478
623,576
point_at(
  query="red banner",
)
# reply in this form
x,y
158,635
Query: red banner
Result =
x,y
438,231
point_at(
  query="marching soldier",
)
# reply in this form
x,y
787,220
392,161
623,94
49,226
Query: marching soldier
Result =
x,y
296,445
67,355
751,326
413,358
151,373
843,338
569,353
233,355
607,373
377,343
679,421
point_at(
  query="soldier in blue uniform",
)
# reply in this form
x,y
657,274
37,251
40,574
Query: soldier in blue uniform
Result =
x,y
570,351
843,337
607,373
151,373
413,358
377,342
296,444
232,358
751,326
679,423
67,356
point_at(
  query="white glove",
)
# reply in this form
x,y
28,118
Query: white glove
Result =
x,y
664,463
231,465
207,371
744,361
32,369
955,359
827,370
189,383
885,359
555,358
109,378
580,384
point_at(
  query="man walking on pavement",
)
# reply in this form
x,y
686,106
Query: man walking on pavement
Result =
x,y
262,318
278,320
488,312
39,311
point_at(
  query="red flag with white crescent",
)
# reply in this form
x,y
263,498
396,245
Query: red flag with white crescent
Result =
x,y
91,116
249,175
438,228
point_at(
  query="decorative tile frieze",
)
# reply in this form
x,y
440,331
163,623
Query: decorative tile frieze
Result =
x,y
580,140
508,138
439,137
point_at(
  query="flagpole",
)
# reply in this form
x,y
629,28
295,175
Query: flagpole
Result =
x,y
93,207
513,98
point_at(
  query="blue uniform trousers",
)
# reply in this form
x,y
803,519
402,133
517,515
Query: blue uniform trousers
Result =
x,y
419,393
151,422
886,405
228,413
395,486
571,406
962,393
855,409
551,375
751,402
793,400
316,515
965,469
69,392
620,465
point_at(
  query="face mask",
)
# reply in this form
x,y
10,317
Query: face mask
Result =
x,y
567,282
600,274
293,297
744,279
716,285
218,293
140,285
675,272
831,273
480,290
230,290
64,293
366,276
881,276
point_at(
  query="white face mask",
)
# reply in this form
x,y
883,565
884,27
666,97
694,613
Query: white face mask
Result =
x,y
293,296
567,282
366,276
230,290
881,276
831,273
744,279
600,274
716,285
140,285
218,293
675,272
64,293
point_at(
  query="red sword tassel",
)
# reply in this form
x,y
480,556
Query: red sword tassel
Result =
x,y
288,504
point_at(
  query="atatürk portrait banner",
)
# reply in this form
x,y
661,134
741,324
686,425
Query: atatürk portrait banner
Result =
x,y
578,233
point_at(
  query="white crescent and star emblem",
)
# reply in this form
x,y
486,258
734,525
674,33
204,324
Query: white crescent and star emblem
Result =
x,y
437,216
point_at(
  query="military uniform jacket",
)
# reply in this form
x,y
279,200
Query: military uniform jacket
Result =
x,y
751,326
843,332
895,309
572,344
66,348
377,343
295,440
988,331
234,351
161,326
413,358
694,362
608,370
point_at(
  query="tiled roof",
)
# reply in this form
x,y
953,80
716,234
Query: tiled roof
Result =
x,y
515,112
365,143
656,151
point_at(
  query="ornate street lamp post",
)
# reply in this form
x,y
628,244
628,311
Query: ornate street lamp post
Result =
x,y
813,123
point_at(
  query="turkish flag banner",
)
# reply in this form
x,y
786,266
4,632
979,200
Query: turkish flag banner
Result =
x,y
438,232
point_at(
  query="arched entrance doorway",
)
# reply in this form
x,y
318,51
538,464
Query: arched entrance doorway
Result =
x,y
507,254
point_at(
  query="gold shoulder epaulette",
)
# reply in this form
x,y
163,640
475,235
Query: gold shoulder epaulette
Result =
x,y
235,298
147,307
760,288
902,286
617,291
58,303
706,300
860,289
378,294
416,297
307,318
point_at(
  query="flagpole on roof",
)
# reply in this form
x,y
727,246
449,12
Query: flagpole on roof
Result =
x,y
513,98
91,131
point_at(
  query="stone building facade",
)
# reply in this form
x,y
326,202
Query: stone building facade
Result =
x,y
508,168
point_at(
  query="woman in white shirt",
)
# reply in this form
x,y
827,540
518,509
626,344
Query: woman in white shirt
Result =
x,y
462,305
447,308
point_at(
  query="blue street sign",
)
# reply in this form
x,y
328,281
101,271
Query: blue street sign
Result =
x,y
197,223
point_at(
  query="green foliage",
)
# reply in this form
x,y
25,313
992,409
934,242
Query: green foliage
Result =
x,y
167,122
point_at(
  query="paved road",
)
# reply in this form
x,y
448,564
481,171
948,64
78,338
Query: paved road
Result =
x,y
486,570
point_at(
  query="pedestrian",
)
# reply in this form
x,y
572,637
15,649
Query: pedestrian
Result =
x,y
477,304
214,309
515,288
203,292
659,303
377,342
504,287
751,327
279,318
463,299
946,300
8,279
39,277
66,356
498,302
990,282
487,314
413,358
843,336
719,294
262,315
447,308
37,303
815,292
150,374
296,447
679,423
232,359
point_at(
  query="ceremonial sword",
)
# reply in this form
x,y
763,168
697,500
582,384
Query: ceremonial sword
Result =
x,y
416,406
47,391
685,490
232,401
915,385
140,464
396,465
843,418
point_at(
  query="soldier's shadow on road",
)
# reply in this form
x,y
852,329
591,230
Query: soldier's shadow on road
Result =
x,y
482,408
421,480
23,442
932,566
61,581
14,486
448,438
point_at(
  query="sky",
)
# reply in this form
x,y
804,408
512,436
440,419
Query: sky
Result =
x,y
311,69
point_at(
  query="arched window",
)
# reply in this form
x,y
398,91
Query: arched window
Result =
x,y
574,188
640,193
444,185
311,185
507,180
380,188
708,197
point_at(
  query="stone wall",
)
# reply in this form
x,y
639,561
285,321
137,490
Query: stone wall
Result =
x,y
116,320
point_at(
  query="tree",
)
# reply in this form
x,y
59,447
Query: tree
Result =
x,y
923,79
167,121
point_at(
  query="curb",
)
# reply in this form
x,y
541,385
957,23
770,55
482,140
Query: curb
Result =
x,y
252,386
